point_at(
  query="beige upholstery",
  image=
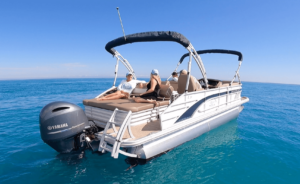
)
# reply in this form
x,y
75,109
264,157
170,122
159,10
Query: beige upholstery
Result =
x,y
139,131
166,90
235,84
219,84
227,83
224,85
174,84
165,82
122,104
138,90
193,84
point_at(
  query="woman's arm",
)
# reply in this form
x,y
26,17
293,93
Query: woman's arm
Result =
x,y
153,84
142,85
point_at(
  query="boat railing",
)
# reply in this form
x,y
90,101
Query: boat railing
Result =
x,y
117,135
220,104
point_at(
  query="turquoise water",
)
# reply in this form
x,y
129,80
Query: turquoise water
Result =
x,y
261,146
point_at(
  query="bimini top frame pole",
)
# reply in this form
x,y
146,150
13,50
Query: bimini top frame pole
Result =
x,y
199,62
151,37
219,51
197,58
119,57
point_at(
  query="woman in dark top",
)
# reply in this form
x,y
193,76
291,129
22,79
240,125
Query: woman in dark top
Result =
x,y
153,86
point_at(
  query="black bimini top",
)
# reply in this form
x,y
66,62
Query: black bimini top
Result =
x,y
220,51
148,37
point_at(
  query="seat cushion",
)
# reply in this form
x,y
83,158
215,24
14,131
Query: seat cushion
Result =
x,y
193,84
122,104
165,82
165,90
174,84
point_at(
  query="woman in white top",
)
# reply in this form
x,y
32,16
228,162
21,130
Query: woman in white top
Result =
x,y
124,89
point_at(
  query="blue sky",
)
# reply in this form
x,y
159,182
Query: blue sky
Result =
x,y
58,39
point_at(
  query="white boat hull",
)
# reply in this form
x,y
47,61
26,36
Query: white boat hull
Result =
x,y
165,143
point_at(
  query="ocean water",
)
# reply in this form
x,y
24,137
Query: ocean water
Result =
x,y
261,146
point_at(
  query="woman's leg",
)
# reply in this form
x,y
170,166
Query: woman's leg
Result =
x,y
114,97
126,95
141,100
117,93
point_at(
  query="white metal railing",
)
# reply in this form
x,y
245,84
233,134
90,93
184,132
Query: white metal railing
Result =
x,y
119,57
207,109
205,104
197,58
237,74
117,135
220,104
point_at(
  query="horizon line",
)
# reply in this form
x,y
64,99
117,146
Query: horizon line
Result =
x,y
123,78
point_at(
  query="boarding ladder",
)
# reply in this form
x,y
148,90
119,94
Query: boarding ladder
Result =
x,y
116,119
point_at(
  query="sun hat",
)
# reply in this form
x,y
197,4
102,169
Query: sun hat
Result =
x,y
128,73
154,72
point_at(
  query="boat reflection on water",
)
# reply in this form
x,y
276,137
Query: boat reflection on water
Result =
x,y
72,158
226,134
203,152
201,148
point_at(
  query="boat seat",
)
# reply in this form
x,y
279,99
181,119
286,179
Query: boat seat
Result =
x,y
227,84
174,84
166,90
165,82
224,85
214,83
193,84
122,104
138,90
235,84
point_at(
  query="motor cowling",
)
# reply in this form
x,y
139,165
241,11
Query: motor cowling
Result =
x,y
61,126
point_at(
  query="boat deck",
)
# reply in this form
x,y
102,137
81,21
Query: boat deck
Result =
x,y
123,104
139,131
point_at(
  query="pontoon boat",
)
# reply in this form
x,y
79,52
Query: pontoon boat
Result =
x,y
143,130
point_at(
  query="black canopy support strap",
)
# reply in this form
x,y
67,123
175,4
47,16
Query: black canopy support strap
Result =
x,y
148,37
220,51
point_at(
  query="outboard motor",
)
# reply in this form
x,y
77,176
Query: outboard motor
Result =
x,y
61,126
